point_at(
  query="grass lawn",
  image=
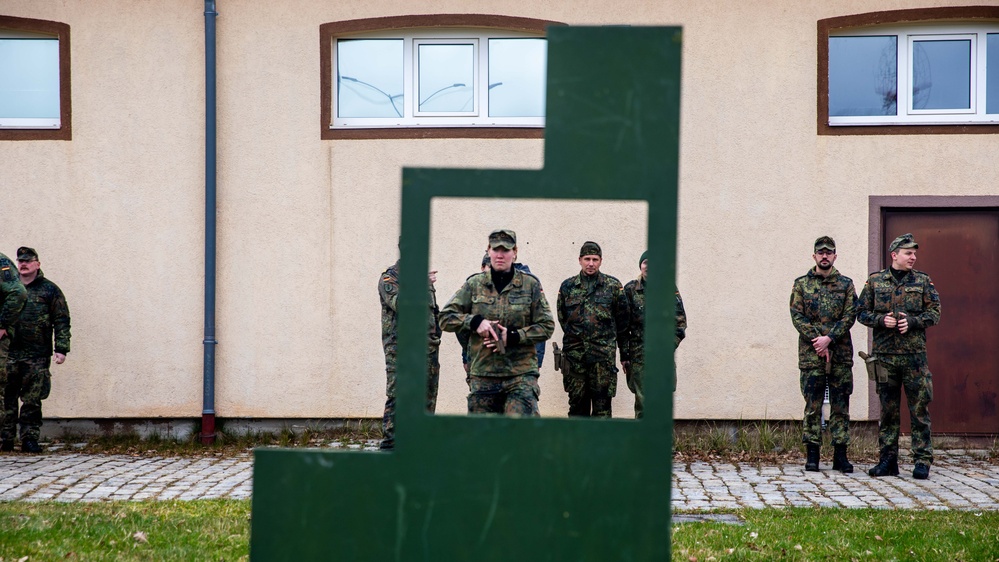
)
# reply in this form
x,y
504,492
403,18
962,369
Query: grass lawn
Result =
x,y
220,530
168,530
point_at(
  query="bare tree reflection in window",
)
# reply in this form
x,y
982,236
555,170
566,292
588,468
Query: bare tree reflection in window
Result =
x,y
922,76
887,79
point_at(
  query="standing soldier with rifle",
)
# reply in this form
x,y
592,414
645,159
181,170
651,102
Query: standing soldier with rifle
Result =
x,y
823,309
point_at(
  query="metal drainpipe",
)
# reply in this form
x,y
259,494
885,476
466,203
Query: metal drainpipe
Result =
x,y
208,409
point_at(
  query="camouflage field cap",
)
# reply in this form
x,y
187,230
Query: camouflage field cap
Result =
x,y
503,238
825,243
25,253
485,259
590,249
904,241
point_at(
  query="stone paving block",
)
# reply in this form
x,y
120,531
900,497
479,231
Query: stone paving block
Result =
x,y
955,483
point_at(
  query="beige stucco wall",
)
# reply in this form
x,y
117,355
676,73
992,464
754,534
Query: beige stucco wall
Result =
x,y
306,225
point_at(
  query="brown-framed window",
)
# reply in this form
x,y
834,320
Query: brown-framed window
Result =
x,y
919,71
433,76
35,100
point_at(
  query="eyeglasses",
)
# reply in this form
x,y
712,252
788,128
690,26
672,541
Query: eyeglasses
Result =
x,y
19,260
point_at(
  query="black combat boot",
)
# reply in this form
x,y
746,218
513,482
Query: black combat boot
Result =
x,y
7,445
888,466
30,446
840,461
921,471
812,457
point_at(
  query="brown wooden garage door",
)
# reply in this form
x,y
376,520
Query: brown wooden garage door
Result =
x,y
959,249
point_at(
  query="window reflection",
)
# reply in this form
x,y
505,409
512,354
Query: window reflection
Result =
x,y
941,74
369,78
517,77
29,78
446,78
863,75
992,74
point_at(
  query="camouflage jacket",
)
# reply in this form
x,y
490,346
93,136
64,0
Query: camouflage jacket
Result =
x,y
593,319
45,312
12,294
915,295
824,306
521,307
634,291
388,293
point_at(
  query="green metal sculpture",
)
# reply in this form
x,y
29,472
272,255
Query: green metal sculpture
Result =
x,y
501,488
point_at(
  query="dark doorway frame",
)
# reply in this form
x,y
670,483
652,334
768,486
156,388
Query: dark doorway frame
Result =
x,y
877,204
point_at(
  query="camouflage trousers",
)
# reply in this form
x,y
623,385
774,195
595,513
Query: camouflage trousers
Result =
x,y
30,381
911,372
511,396
388,418
813,390
590,388
4,347
635,377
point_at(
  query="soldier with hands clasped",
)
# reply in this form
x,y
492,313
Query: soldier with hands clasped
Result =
x,y
900,303
823,309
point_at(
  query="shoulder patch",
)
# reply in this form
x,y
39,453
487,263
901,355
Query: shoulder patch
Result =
x,y
7,274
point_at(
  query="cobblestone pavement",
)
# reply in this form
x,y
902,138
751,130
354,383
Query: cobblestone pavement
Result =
x,y
957,481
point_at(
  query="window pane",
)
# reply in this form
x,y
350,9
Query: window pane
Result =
x,y
29,78
447,78
517,77
369,78
862,75
992,74
941,74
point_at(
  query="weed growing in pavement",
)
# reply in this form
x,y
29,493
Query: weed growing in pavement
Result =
x,y
763,440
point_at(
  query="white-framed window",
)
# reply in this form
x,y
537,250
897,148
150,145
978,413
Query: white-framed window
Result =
x,y
920,74
439,78
29,80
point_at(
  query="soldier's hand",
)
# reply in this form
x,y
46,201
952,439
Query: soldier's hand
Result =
x,y
903,323
3,333
491,341
432,276
626,365
485,330
59,358
821,344
890,321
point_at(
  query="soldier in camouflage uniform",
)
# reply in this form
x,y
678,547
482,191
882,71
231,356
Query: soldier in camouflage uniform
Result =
x,y
45,315
12,298
463,335
900,303
634,369
505,313
593,313
823,309
388,293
